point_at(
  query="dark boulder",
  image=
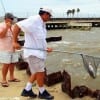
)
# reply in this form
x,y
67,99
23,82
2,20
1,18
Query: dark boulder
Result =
x,y
21,65
66,84
53,78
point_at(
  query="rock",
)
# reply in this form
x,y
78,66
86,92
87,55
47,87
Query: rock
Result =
x,y
52,39
53,78
81,91
66,84
28,71
75,92
21,65
96,94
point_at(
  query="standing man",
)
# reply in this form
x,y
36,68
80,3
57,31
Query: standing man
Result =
x,y
35,37
6,49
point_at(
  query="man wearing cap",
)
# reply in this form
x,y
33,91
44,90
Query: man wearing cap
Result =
x,y
35,37
6,49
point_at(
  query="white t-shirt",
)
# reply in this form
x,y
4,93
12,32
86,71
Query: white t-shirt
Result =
x,y
35,36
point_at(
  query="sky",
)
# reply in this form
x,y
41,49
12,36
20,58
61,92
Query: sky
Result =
x,y
25,8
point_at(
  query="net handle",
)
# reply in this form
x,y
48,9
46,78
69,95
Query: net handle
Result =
x,y
59,51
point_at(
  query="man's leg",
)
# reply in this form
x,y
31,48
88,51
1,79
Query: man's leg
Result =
x,y
11,72
40,81
28,89
40,78
4,72
4,82
43,93
30,82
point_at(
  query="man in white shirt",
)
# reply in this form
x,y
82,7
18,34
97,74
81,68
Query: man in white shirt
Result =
x,y
35,37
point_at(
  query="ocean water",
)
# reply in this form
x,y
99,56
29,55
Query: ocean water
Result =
x,y
75,41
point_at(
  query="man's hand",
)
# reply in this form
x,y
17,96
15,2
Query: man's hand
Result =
x,y
49,49
16,45
8,25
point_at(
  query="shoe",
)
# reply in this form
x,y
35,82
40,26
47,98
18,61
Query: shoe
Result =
x,y
45,95
4,84
14,80
28,93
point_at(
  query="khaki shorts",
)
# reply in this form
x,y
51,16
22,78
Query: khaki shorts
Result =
x,y
35,64
8,57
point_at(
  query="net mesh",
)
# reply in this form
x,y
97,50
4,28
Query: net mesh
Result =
x,y
91,64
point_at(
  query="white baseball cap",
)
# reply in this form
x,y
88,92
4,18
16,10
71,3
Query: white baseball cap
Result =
x,y
46,9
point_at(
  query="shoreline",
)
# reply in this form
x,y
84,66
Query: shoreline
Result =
x,y
14,90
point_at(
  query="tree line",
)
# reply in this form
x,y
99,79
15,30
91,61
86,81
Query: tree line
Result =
x,y
71,12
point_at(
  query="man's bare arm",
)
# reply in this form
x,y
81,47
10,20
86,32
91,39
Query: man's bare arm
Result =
x,y
16,31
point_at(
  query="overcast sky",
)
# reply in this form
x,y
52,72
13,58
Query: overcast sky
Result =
x,y
26,8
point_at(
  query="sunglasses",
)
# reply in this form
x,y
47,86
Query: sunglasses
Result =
x,y
12,18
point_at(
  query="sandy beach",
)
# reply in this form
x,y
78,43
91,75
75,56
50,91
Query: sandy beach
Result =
x,y
14,90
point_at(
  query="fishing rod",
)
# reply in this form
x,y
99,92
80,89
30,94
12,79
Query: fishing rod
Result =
x,y
3,6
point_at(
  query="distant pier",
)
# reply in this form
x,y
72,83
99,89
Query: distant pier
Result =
x,y
63,23
56,25
81,23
